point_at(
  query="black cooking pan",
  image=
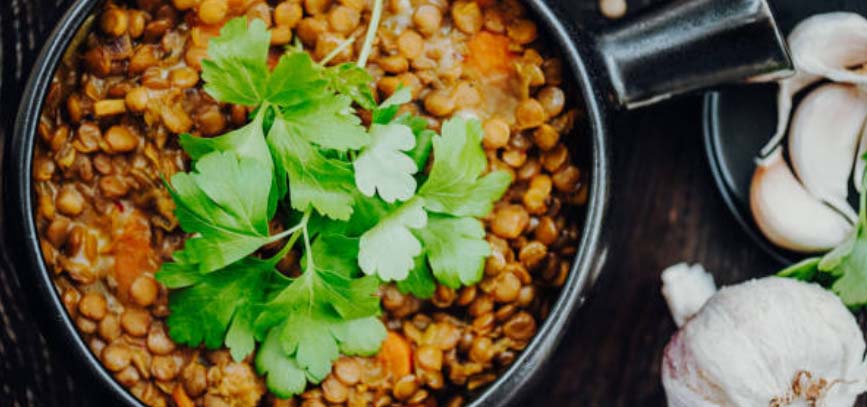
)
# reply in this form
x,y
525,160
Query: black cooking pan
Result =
x,y
684,46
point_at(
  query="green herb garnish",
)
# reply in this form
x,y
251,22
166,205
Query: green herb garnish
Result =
x,y
361,209
843,269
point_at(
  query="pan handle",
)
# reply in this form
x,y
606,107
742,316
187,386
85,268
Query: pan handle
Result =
x,y
689,45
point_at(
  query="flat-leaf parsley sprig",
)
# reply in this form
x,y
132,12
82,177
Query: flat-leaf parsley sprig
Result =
x,y
365,213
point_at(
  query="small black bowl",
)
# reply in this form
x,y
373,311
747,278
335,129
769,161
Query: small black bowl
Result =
x,y
739,120
661,54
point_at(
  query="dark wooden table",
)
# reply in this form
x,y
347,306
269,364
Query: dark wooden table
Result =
x,y
664,209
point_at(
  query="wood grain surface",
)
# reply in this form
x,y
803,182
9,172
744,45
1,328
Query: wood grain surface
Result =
x,y
664,209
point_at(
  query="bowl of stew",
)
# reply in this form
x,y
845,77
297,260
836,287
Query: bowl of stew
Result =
x,y
124,88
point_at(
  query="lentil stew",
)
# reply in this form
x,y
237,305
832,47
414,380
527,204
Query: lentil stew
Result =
x,y
106,222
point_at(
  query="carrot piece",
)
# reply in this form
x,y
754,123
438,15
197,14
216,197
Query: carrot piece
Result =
x,y
489,53
181,397
485,3
133,254
396,355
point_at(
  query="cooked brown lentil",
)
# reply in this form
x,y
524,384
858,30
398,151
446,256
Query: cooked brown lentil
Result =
x,y
109,130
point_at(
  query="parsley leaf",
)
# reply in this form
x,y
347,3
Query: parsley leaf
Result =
x,y
387,110
311,315
453,186
353,81
295,79
423,138
328,122
236,70
245,142
219,302
852,284
804,270
305,344
388,249
359,337
420,281
337,269
226,201
386,113
456,249
383,167
283,376
315,180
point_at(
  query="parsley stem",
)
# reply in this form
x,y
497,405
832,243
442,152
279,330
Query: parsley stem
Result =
x,y
289,231
291,243
310,264
296,231
375,17
336,51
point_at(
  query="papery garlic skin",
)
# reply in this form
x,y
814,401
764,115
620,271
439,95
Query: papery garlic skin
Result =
x,y
750,343
686,289
822,46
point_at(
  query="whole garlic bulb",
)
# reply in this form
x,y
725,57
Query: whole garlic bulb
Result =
x,y
768,342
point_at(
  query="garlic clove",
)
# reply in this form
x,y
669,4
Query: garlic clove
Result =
x,y
788,215
822,46
686,288
827,45
767,342
823,140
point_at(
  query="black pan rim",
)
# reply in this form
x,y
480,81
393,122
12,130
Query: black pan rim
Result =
x,y
24,249
712,135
